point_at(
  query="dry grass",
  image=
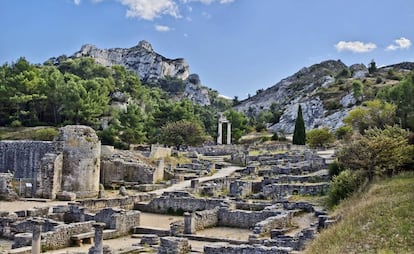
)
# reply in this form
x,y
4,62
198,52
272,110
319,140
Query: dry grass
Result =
x,y
380,220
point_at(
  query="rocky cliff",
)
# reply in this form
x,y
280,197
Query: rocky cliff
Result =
x,y
150,67
325,91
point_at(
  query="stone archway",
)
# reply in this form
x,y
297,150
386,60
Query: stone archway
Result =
x,y
223,120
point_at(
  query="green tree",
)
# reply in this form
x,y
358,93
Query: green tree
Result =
x,y
358,91
378,152
402,95
239,124
182,133
374,113
299,133
319,137
372,67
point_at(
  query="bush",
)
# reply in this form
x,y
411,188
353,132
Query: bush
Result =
x,y
344,185
275,137
334,169
319,137
343,132
45,134
15,124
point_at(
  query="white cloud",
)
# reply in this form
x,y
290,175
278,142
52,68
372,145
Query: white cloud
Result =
x,y
160,28
355,46
208,1
401,43
77,2
150,9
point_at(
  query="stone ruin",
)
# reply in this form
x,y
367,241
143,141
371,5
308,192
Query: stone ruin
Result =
x,y
254,198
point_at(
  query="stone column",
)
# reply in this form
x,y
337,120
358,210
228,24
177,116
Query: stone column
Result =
x,y
220,133
98,241
189,227
228,133
36,239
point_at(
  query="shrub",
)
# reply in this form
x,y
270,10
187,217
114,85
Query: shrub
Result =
x,y
16,123
275,137
334,169
344,185
45,134
319,137
343,132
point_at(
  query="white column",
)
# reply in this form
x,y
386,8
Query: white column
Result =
x,y
220,133
228,133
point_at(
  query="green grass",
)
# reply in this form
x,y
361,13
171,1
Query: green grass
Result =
x,y
381,220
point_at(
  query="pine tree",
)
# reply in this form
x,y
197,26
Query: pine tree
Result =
x,y
299,134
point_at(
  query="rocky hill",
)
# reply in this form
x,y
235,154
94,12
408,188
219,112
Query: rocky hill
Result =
x,y
150,66
323,90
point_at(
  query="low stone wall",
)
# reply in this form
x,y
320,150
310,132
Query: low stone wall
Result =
x,y
204,219
176,245
60,237
175,204
282,190
119,219
278,221
241,218
127,203
245,249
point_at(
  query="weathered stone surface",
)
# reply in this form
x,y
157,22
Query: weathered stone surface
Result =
x,y
176,245
142,59
81,160
247,249
6,188
66,196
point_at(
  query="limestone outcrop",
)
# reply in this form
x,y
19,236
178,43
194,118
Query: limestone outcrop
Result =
x,y
150,67
142,59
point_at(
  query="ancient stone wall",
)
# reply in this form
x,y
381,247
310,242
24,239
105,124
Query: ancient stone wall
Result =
x,y
81,160
50,176
168,204
282,190
127,203
22,158
278,221
205,219
120,220
158,152
241,218
60,237
245,249
7,191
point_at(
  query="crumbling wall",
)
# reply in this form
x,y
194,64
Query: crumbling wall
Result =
x,y
278,221
241,218
6,188
282,190
245,249
60,237
120,170
81,160
50,176
205,219
120,220
176,204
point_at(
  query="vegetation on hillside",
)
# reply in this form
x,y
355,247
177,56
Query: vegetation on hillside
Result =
x,y
112,100
379,220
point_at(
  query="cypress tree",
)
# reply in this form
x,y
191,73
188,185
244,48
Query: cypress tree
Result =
x,y
299,134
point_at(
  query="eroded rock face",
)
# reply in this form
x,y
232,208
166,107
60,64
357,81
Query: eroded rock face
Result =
x,y
81,160
142,59
195,92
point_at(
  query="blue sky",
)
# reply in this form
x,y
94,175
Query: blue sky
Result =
x,y
236,46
